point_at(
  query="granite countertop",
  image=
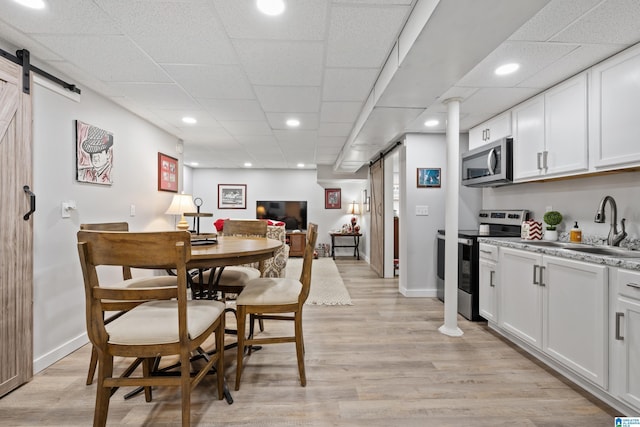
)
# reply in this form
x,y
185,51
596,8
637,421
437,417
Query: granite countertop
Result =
x,y
517,243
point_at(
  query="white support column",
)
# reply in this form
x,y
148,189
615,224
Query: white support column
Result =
x,y
452,178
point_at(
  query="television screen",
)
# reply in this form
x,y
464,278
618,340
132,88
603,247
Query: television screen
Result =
x,y
292,213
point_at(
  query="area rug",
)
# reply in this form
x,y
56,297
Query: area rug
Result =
x,y
327,287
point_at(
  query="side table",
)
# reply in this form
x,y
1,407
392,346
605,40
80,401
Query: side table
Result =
x,y
355,245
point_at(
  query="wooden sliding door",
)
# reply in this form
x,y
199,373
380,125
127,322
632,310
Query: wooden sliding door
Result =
x,y
376,257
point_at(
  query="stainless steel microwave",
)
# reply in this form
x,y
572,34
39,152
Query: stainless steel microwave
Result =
x,y
488,166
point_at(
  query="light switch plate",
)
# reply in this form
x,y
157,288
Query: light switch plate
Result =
x,y
422,210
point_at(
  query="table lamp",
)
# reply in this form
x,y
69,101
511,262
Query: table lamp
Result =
x,y
180,204
354,209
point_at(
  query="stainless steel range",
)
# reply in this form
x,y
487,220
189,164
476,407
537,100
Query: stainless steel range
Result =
x,y
493,223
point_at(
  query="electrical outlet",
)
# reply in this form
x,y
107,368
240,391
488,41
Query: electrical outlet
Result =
x,y
548,209
132,210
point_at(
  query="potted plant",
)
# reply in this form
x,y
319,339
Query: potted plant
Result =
x,y
552,218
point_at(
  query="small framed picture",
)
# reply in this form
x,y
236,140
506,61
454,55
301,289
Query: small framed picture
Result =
x,y
232,196
429,177
332,198
167,173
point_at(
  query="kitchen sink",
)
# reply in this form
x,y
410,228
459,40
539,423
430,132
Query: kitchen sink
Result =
x,y
607,251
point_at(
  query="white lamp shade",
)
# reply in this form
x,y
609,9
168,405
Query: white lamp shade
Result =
x,y
180,204
354,209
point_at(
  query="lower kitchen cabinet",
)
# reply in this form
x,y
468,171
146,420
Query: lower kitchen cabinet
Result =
x,y
626,339
558,306
488,291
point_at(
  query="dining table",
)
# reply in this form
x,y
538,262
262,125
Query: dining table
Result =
x,y
223,251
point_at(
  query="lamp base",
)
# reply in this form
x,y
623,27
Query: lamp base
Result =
x,y
182,225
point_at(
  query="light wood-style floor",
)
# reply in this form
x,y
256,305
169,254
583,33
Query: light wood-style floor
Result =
x,y
380,362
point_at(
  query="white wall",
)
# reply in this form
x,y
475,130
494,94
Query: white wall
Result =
x,y
278,184
576,199
58,306
418,248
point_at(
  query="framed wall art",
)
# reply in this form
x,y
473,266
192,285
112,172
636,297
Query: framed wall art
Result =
x,y
332,198
428,177
94,154
167,173
232,196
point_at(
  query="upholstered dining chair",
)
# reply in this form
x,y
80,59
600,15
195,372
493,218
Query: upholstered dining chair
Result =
x,y
119,307
276,299
165,324
233,278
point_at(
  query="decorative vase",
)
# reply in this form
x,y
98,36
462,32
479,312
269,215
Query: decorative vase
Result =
x,y
551,235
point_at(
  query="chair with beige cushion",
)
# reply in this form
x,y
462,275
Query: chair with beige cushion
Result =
x,y
276,299
166,323
119,307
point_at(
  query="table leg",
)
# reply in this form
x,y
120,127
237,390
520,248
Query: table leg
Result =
x,y
333,248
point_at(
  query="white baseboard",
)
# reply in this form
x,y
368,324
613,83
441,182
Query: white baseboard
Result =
x,y
58,353
418,293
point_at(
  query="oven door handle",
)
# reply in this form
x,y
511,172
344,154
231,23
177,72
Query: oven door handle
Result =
x,y
461,240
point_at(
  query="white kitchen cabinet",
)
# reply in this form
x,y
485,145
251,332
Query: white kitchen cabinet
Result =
x,y
614,102
491,130
520,297
550,132
574,316
558,306
487,271
626,339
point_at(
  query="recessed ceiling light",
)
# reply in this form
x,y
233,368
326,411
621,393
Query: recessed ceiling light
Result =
x,y
431,123
33,4
189,120
293,123
505,69
270,7
300,165
247,164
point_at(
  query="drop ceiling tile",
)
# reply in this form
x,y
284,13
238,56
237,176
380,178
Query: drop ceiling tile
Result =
x,y
496,100
331,142
613,22
532,57
363,36
579,59
453,92
38,52
258,142
348,84
334,129
290,63
233,109
211,81
60,17
376,2
109,58
245,128
281,99
308,121
552,19
210,135
340,112
296,137
301,20
157,95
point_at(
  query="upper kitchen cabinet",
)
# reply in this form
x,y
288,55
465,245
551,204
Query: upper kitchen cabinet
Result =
x,y
550,132
491,130
614,105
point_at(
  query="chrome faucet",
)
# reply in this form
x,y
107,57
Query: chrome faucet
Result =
x,y
614,238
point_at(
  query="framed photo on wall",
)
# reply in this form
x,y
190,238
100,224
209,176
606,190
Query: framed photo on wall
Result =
x,y
332,198
232,196
428,177
94,154
167,173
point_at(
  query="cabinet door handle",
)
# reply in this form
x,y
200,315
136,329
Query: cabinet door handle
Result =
x,y
492,275
618,317
539,160
535,279
489,134
541,275
633,285
484,134
544,159
484,251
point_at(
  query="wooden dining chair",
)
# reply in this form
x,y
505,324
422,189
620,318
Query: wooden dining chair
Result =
x,y
119,307
165,324
276,299
233,279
